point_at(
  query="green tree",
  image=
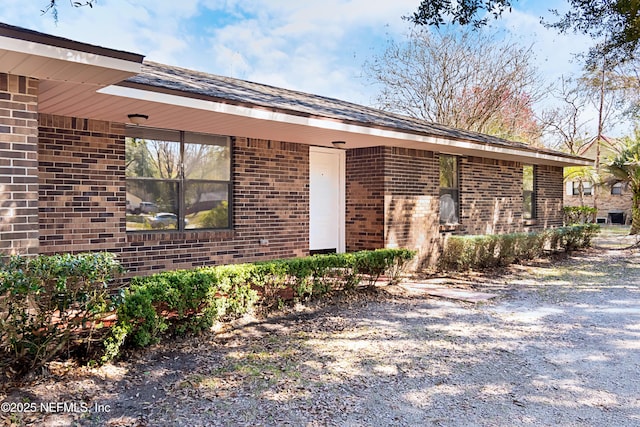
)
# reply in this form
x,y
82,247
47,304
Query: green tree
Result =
x,y
616,22
625,168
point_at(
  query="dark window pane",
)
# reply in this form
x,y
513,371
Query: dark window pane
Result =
x,y
616,189
528,205
528,192
207,157
151,204
206,205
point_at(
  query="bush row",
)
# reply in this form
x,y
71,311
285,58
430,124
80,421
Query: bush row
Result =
x,y
189,301
50,305
478,252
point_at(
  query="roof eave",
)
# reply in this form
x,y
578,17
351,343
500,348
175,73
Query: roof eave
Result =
x,y
358,134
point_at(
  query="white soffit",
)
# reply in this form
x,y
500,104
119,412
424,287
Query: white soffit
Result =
x,y
279,121
47,62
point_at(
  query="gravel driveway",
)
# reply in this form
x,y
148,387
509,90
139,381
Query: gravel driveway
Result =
x,y
560,345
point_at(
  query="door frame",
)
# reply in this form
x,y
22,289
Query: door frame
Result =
x,y
341,158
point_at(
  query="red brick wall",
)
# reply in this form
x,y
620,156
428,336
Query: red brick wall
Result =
x,y
412,201
490,196
550,189
18,165
408,183
82,189
364,228
392,200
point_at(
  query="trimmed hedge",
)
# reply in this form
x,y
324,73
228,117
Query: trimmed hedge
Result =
x,y
48,303
498,250
189,301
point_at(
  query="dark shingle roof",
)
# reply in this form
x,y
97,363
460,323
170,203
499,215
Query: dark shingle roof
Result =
x,y
242,92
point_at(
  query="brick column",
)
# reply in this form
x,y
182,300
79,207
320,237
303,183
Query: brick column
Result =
x,y
18,165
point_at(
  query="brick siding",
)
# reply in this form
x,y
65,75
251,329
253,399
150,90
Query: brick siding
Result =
x,y
82,187
412,202
83,201
364,199
490,199
391,200
549,191
18,165
607,202
490,196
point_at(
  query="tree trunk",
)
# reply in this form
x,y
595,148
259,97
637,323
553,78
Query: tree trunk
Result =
x,y
635,214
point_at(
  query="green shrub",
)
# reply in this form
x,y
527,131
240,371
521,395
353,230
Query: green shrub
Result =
x,y
179,302
188,301
479,252
53,304
579,214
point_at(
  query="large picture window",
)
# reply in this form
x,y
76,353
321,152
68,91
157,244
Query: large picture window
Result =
x,y
528,192
449,200
177,180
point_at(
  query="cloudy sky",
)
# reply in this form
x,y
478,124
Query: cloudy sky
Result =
x,y
316,46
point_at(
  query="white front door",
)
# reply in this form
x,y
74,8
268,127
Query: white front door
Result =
x,y
326,199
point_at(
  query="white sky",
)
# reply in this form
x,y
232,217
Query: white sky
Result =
x,y
315,46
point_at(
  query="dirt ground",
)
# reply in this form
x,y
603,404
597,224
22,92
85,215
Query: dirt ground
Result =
x,y
559,345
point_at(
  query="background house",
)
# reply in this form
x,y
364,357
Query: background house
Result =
x,y
89,133
586,186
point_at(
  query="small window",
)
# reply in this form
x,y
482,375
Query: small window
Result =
x,y
528,192
616,189
177,180
587,188
449,198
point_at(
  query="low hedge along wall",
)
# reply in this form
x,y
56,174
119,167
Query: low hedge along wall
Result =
x,y
496,250
50,305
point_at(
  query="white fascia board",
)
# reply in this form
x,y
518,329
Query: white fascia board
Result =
x,y
326,124
68,55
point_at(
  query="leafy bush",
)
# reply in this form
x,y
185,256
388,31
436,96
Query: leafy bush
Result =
x,y
178,302
52,304
465,252
188,301
579,214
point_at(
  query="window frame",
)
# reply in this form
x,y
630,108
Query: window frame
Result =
x,y
453,192
182,182
586,191
532,214
618,186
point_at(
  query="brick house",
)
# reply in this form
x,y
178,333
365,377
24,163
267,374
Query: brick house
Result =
x,y
614,202
172,168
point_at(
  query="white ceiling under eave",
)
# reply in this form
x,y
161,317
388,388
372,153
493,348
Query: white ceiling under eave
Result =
x,y
53,63
170,111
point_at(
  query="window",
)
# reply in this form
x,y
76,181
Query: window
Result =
x,y
177,180
449,202
616,189
528,192
587,188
